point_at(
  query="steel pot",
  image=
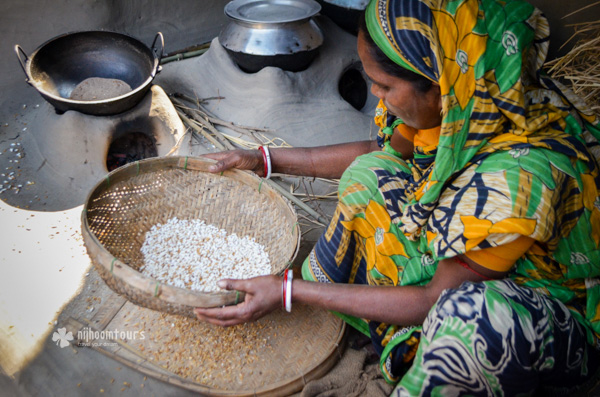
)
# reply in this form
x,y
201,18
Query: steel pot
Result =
x,y
344,13
279,33
56,67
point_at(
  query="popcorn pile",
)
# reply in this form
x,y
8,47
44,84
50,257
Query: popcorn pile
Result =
x,y
194,255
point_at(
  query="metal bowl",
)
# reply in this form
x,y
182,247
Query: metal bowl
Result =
x,y
56,67
279,33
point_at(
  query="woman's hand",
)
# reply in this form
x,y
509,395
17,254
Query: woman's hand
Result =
x,y
263,295
241,159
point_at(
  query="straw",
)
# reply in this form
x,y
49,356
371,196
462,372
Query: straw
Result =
x,y
579,68
185,53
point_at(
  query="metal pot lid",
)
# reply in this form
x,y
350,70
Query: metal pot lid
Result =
x,y
272,11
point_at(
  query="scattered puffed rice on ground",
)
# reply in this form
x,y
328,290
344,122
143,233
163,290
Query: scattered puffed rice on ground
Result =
x,y
192,254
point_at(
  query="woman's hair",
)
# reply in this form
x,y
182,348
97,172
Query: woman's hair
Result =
x,y
420,83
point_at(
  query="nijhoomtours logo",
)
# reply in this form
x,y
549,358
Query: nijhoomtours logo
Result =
x,y
92,338
62,337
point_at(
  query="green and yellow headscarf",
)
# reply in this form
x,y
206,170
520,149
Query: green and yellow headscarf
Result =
x,y
486,57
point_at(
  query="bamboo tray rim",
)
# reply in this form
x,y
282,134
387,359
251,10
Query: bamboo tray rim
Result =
x,y
165,292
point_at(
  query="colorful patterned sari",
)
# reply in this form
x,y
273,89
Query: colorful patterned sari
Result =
x,y
514,158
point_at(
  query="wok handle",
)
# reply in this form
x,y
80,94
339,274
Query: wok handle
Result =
x,y
158,52
19,51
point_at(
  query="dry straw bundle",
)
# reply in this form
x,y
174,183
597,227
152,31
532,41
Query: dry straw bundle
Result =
x,y
121,209
580,67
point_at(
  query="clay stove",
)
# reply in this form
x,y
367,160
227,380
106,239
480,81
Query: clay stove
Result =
x,y
68,153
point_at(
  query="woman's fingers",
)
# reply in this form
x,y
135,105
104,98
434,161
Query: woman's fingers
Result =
x,y
225,161
230,284
262,297
222,315
220,323
226,316
240,159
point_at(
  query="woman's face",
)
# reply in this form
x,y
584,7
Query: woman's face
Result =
x,y
418,110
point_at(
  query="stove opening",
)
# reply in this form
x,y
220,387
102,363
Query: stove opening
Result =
x,y
130,147
353,88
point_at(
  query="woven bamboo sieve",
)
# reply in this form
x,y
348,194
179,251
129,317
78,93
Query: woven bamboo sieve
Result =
x,y
122,208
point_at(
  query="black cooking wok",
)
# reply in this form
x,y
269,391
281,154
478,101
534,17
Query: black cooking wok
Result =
x,y
60,64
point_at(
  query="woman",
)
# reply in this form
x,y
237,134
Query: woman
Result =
x,y
468,249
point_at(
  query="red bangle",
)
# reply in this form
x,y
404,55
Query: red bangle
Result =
x,y
283,288
466,266
266,166
266,160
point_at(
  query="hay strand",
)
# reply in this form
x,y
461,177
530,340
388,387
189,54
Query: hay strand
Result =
x,y
579,68
581,9
186,53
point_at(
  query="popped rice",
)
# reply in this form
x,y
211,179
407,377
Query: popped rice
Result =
x,y
191,254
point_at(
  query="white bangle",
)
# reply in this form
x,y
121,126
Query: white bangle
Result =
x,y
288,291
267,160
270,167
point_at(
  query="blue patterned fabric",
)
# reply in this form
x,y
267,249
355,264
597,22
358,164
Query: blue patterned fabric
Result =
x,y
499,339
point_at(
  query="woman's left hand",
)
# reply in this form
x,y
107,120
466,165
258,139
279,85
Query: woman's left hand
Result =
x,y
263,295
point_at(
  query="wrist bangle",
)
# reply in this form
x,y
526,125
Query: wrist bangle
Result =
x,y
283,289
288,291
266,160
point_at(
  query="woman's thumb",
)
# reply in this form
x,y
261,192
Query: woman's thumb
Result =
x,y
227,284
218,166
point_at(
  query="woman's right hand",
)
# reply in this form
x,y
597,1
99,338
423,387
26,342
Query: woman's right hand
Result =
x,y
263,295
240,159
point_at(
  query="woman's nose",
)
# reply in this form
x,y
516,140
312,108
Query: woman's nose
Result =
x,y
375,90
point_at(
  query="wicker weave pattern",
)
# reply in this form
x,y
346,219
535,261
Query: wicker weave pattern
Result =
x,y
274,356
121,209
